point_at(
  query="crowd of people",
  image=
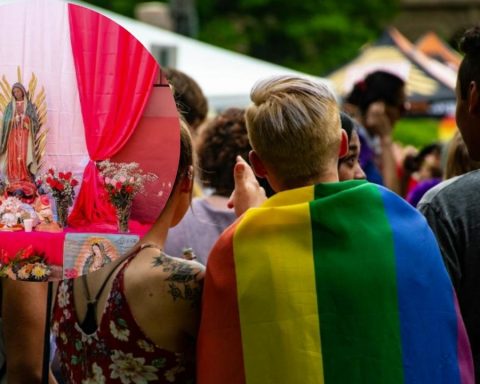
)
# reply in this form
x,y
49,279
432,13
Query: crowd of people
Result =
x,y
314,250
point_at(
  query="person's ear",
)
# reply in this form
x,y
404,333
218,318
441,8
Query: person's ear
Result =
x,y
186,183
257,164
343,145
473,99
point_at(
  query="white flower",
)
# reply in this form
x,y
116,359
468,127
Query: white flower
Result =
x,y
63,336
118,333
97,377
63,296
171,373
131,369
145,345
55,328
66,314
23,273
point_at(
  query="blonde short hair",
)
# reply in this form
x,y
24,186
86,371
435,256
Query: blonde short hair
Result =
x,y
294,126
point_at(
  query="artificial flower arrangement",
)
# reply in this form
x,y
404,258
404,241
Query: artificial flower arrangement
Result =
x,y
123,181
26,265
13,211
62,187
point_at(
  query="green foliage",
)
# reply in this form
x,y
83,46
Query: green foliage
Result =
x,y
416,132
312,35
124,7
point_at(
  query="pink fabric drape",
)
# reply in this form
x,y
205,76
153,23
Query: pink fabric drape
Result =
x,y
115,75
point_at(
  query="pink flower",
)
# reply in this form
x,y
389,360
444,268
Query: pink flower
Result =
x,y
132,180
44,200
107,180
122,179
71,273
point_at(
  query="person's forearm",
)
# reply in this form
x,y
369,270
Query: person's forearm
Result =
x,y
389,165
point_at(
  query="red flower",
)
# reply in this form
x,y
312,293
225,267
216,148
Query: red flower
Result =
x,y
49,181
68,175
61,175
129,189
118,185
74,183
27,252
51,171
57,185
39,182
4,259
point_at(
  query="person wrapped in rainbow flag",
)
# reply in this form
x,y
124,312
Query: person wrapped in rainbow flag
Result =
x,y
326,281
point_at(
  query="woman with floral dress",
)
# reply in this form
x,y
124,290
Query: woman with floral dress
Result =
x,y
135,320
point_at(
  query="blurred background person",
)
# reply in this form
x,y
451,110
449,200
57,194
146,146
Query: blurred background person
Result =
x,y
349,166
426,171
458,160
191,102
381,102
220,142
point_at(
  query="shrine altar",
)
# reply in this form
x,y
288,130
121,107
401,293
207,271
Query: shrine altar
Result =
x,y
59,248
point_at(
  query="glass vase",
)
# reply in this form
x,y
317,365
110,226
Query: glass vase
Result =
x,y
62,211
123,216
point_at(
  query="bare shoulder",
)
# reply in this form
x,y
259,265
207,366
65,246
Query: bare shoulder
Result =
x,y
176,269
168,278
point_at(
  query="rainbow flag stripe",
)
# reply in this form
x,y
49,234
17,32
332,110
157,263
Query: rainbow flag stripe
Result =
x,y
334,283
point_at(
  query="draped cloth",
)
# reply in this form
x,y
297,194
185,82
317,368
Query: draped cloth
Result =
x,y
333,283
115,75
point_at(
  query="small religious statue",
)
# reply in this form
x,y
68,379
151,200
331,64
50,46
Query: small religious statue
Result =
x,y
45,215
17,143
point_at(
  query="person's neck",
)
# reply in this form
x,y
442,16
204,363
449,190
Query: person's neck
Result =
x,y
329,176
158,232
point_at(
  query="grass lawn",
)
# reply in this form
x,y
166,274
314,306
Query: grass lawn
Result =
x,y
416,131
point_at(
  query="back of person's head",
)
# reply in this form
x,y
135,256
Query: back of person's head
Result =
x,y
377,86
186,158
294,127
413,163
188,95
221,141
347,123
470,67
459,161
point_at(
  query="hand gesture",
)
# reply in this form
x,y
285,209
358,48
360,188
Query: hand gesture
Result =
x,y
377,119
247,193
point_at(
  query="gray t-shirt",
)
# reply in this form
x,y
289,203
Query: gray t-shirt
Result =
x,y
200,228
452,209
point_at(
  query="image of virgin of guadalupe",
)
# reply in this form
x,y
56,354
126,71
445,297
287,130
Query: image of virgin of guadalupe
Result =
x,y
97,259
19,129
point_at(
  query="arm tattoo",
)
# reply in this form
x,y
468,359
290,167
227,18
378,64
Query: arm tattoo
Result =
x,y
181,279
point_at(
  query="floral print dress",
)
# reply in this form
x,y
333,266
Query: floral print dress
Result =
x,y
131,357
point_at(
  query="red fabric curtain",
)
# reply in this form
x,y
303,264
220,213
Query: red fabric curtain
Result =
x,y
115,75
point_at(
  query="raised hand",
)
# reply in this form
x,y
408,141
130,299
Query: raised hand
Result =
x,y
247,193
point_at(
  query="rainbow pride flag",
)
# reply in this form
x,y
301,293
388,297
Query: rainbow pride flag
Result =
x,y
334,283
